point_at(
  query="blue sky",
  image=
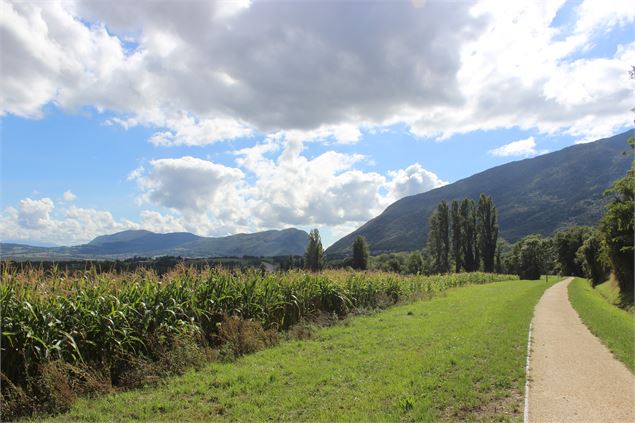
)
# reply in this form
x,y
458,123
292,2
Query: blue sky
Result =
x,y
221,118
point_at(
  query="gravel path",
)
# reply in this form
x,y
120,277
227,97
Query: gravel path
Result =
x,y
572,375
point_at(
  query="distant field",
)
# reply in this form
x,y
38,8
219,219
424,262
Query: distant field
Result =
x,y
615,327
459,356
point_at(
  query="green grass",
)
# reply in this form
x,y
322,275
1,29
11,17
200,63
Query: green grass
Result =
x,y
610,291
615,327
460,356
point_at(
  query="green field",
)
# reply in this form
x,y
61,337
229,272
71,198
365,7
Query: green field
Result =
x,y
615,327
455,357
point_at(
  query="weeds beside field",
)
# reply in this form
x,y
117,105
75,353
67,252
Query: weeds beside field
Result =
x,y
69,334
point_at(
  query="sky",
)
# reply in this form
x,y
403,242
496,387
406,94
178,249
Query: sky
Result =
x,y
222,117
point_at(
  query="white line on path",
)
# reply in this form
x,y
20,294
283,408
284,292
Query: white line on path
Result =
x,y
526,414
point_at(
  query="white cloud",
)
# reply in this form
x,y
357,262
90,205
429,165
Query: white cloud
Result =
x,y
207,71
162,223
300,66
135,173
523,148
603,15
274,185
441,68
186,130
523,72
291,190
34,214
207,198
40,220
68,196
388,75
412,180
188,184
295,190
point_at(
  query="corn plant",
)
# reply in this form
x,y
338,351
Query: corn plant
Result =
x,y
101,319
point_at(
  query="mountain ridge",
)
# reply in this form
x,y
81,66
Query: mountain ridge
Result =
x,y
130,243
535,195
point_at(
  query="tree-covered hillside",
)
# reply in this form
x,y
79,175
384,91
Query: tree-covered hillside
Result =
x,y
538,195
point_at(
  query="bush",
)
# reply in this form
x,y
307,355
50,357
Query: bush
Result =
x,y
239,337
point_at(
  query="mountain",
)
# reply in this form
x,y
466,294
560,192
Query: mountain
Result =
x,y
138,241
145,243
29,242
537,195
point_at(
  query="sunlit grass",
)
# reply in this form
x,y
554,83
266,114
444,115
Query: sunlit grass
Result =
x,y
458,356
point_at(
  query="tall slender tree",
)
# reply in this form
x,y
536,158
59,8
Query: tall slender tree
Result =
x,y
487,231
457,235
498,263
469,246
314,255
439,238
360,253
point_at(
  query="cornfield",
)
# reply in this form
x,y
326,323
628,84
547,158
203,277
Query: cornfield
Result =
x,y
98,320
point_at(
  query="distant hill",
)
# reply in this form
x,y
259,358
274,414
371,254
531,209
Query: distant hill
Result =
x,y
29,242
538,195
149,244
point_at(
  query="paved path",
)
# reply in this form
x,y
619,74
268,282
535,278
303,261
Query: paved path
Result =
x,y
572,375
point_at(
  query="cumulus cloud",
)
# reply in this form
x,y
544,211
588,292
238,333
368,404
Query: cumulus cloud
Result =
x,y
188,183
523,148
34,214
412,180
68,196
37,220
207,198
200,72
275,185
213,70
300,66
41,220
162,223
186,130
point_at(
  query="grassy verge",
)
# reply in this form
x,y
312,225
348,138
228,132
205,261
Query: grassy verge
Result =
x,y
614,326
610,291
460,356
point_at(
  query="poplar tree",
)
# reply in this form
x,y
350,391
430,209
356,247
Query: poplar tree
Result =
x,y
439,238
487,231
314,255
360,253
457,236
469,245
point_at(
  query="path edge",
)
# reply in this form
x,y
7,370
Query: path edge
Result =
x,y
526,412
